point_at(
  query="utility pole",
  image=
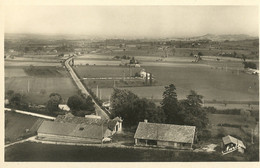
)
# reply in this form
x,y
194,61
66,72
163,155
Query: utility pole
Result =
x,y
151,79
97,91
146,78
102,135
28,86
100,96
252,136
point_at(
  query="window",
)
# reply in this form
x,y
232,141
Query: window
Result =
x,y
81,128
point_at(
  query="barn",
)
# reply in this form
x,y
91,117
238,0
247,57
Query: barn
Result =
x,y
71,132
113,126
164,135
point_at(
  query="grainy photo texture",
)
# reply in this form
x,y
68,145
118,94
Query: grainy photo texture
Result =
x,y
131,83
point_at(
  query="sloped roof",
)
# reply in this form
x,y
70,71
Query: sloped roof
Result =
x,y
229,139
165,132
69,129
70,118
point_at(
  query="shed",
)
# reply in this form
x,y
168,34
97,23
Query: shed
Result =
x,y
231,144
165,135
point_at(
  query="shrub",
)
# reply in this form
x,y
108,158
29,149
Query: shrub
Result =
x,y
251,65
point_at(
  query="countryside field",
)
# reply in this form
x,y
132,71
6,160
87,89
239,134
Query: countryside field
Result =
x,y
36,86
56,153
16,125
222,80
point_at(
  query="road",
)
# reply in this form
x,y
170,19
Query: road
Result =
x,y
99,111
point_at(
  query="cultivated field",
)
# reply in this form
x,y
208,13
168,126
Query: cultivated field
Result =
x,y
16,125
37,85
105,71
235,125
222,80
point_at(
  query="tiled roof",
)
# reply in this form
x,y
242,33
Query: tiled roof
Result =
x,y
74,130
229,139
165,132
69,118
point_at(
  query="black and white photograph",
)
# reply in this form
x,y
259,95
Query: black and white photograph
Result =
x,y
130,83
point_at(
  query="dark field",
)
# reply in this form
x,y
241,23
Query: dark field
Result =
x,y
45,71
105,71
55,153
36,86
16,124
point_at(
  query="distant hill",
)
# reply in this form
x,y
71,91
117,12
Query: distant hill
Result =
x,y
230,37
212,37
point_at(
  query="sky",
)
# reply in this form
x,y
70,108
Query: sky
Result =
x,y
133,21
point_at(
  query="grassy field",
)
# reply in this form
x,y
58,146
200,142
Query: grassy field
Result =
x,y
28,63
49,152
231,126
105,71
213,84
46,71
216,80
16,125
40,87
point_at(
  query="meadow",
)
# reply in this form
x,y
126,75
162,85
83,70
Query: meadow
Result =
x,y
36,86
67,153
214,83
16,125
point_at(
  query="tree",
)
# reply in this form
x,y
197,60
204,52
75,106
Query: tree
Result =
x,y
132,109
192,112
80,106
74,102
16,99
170,105
251,65
9,94
243,58
88,104
200,54
53,102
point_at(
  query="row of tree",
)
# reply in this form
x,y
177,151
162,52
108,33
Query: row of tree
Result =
x,y
184,112
78,105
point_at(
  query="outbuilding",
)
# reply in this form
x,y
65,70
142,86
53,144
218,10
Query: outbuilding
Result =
x,y
231,144
72,133
165,135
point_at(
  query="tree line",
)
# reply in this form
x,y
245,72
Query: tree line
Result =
x,y
133,109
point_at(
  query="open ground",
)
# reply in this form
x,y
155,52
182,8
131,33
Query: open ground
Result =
x,y
216,80
38,84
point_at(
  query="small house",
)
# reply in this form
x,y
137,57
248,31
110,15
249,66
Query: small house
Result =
x,y
64,107
164,135
231,144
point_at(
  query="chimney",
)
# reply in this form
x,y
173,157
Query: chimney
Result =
x,y
146,121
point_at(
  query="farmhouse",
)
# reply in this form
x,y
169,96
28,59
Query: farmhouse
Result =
x,y
73,133
165,135
231,144
113,126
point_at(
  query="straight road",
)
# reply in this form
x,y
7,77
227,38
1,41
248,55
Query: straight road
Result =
x,y
99,111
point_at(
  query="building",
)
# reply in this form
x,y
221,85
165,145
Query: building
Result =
x,y
114,125
232,144
72,133
164,135
64,107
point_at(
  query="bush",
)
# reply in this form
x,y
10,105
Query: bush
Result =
x,y
251,65
205,135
